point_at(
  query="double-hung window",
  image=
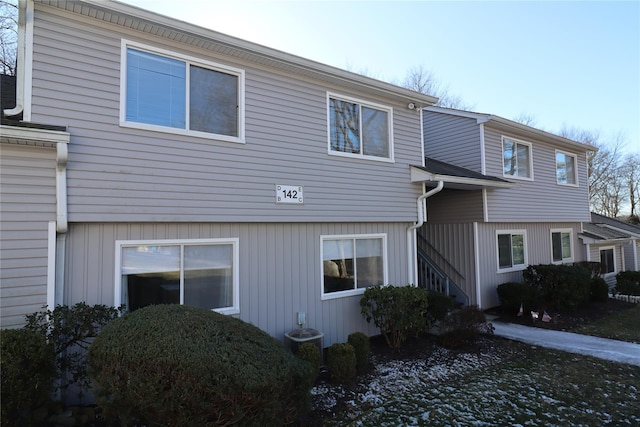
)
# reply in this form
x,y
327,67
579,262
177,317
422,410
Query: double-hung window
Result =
x,y
512,250
359,129
352,263
517,159
607,260
566,172
173,93
200,273
561,247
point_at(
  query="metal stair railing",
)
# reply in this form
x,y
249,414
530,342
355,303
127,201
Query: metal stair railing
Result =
x,y
431,277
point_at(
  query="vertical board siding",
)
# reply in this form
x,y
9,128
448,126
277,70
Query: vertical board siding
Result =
x,y
131,175
455,243
540,200
452,139
538,250
280,269
455,206
28,203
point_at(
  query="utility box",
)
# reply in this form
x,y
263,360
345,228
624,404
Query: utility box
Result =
x,y
294,339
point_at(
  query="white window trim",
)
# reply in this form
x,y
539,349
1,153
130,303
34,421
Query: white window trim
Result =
x,y
234,309
562,230
518,267
517,141
190,60
575,168
358,291
615,263
387,109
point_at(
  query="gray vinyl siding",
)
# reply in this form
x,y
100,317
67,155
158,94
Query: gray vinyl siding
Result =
x,y
538,250
539,200
28,203
455,206
128,175
280,269
594,255
631,256
452,139
455,243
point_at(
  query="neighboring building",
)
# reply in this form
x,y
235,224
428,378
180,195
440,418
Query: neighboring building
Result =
x,y
484,235
613,243
208,170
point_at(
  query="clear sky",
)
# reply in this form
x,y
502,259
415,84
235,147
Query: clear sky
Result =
x,y
564,63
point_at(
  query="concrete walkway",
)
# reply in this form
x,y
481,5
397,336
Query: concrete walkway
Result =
x,y
617,351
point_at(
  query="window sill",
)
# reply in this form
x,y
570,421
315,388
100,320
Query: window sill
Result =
x,y
342,294
361,157
184,132
512,269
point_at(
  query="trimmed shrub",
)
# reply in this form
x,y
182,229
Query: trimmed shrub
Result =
x,y
628,282
463,325
439,306
341,362
599,290
362,347
560,286
399,311
594,267
310,353
28,370
179,365
70,330
512,294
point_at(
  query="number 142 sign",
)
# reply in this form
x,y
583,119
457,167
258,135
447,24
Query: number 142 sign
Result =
x,y
289,194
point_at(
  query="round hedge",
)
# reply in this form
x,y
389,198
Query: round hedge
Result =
x,y
176,365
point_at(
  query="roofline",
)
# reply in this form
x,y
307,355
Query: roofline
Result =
x,y
97,8
510,124
419,174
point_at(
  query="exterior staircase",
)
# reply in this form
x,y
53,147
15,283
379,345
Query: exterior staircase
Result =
x,y
431,276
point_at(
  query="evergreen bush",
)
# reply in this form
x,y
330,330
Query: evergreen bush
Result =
x,y
560,286
310,353
439,306
514,294
628,282
341,362
599,290
462,326
362,347
175,365
27,366
399,311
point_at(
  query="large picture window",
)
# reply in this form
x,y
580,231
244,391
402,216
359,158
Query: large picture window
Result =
x,y
200,273
561,247
352,263
359,129
512,250
516,156
566,168
173,93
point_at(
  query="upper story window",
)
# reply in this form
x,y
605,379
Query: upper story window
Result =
x,y
359,129
199,273
566,171
517,159
561,246
512,250
352,263
174,93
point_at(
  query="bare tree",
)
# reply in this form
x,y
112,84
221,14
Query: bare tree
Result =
x,y
526,118
631,171
8,36
424,81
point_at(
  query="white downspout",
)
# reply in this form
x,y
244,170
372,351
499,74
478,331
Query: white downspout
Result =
x,y
412,240
25,15
62,225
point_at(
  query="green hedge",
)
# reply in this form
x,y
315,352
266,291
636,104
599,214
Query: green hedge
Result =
x,y
560,286
28,370
514,294
177,365
628,282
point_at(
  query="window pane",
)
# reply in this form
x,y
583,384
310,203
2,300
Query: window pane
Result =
x,y
556,241
561,169
338,265
570,168
344,124
369,263
517,243
522,160
566,245
504,251
213,102
375,132
508,157
150,259
208,276
151,289
156,89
